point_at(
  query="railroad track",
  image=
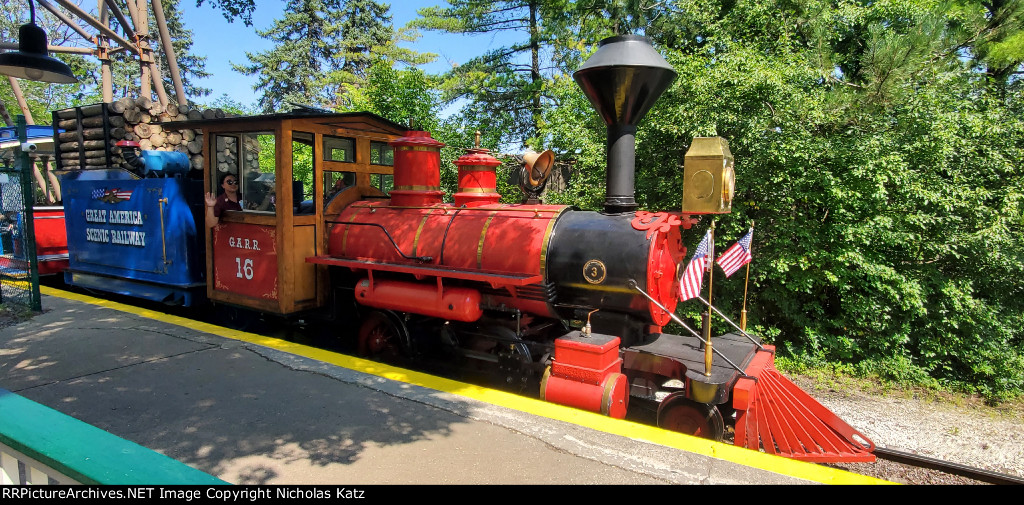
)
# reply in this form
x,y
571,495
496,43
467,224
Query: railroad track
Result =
x,y
919,461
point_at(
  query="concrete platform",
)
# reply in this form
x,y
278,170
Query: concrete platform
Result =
x,y
258,410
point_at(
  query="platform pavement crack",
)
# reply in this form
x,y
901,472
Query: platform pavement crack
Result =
x,y
129,365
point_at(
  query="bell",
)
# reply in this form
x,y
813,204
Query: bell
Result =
x,y
31,61
539,166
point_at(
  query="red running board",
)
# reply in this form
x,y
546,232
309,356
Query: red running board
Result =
x,y
775,416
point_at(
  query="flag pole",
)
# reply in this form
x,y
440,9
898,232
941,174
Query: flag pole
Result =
x,y
743,313
707,315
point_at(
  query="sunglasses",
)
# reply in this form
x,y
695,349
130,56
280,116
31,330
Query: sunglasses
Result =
x,y
231,183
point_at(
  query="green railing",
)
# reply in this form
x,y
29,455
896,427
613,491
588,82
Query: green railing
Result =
x,y
39,445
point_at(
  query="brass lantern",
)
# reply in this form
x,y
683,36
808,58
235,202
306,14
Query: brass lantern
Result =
x,y
708,177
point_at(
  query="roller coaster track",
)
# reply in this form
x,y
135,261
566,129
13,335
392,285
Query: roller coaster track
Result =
x,y
919,461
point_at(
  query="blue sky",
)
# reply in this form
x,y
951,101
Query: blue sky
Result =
x,y
224,43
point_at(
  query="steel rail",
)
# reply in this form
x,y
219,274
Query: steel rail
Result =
x,y
945,466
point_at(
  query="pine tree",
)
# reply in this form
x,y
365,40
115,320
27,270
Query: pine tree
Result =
x,y
365,29
304,51
322,46
993,34
507,84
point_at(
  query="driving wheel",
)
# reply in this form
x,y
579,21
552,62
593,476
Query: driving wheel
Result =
x,y
383,336
677,413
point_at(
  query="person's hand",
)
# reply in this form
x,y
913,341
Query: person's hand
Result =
x,y
211,200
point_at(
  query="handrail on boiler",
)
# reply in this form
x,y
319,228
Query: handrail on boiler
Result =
x,y
424,259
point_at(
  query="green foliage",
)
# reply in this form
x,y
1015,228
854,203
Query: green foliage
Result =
x,y
459,134
365,27
233,9
302,166
304,47
886,191
229,106
43,98
399,95
508,84
578,134
992,33
322,49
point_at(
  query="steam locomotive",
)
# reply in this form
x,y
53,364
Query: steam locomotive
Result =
x,y
570,302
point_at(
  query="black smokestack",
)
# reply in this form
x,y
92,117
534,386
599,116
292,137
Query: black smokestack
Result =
x,y
623,79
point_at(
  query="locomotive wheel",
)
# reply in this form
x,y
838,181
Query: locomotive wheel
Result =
x,y
513,358
383,336
678,413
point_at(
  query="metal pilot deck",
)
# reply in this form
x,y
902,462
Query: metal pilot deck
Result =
x,y
682,358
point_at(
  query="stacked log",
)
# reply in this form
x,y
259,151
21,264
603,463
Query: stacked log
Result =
x,y
91,132
227,153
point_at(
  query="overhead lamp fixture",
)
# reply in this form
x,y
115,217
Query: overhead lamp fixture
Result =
x,y
32,61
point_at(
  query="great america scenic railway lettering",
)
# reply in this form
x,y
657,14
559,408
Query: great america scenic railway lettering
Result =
x,y
113,235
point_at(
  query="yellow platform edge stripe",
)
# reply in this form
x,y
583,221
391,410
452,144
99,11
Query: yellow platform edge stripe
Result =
x,y
719,450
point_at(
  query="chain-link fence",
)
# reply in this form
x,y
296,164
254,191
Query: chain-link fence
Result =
x,y
19,280
15,274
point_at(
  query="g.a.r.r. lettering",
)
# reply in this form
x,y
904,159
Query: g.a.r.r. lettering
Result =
x,y
244,243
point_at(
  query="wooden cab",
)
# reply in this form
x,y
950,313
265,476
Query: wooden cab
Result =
x,y
293,170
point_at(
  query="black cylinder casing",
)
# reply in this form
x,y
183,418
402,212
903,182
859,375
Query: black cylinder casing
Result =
x,y
582,237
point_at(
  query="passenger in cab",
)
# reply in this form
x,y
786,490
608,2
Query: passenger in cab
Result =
x,y
268,200
344,181
228,200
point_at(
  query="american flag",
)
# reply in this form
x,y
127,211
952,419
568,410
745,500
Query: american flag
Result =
x,y
693,277
121,194
737,255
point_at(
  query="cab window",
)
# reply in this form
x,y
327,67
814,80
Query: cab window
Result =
x,y
256,159
302,173
384,182
382,154
336,182
339,149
